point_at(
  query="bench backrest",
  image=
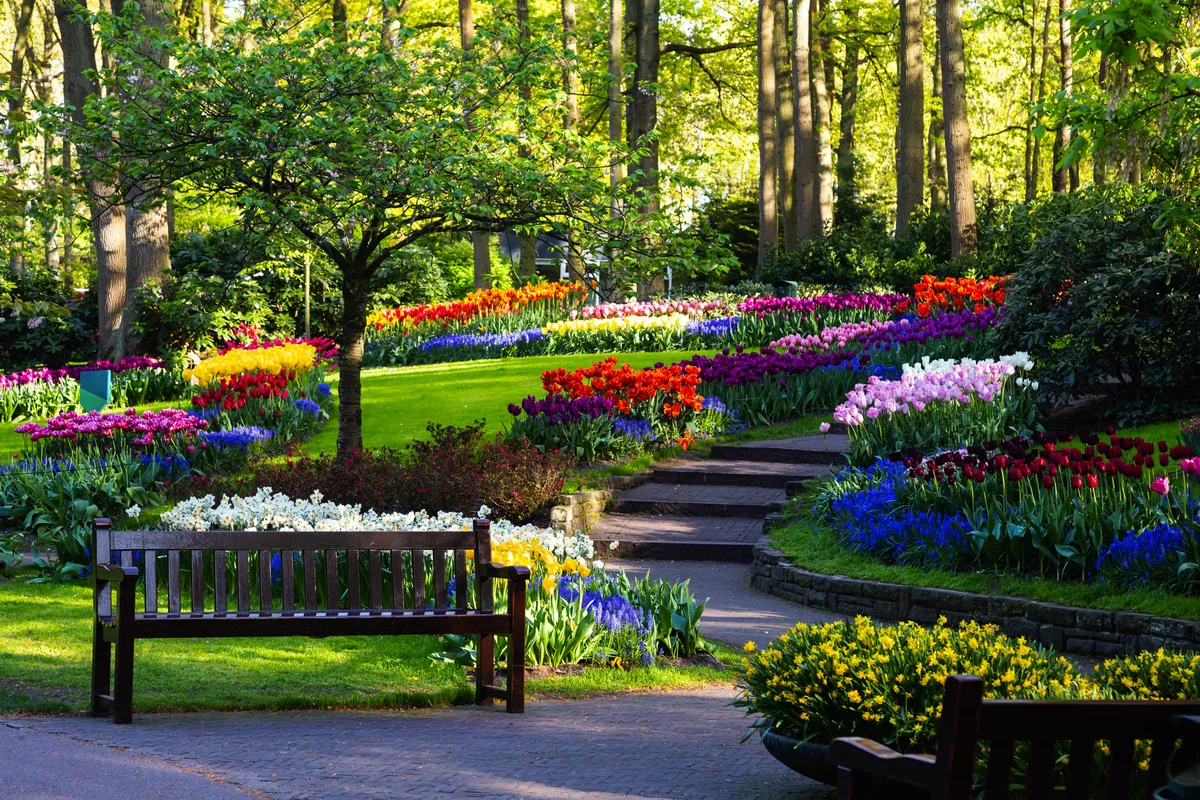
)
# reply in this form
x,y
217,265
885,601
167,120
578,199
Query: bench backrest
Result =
x,y
298,570
1043,726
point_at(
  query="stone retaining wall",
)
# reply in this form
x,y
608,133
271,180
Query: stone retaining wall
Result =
x,y
1081,631
580,511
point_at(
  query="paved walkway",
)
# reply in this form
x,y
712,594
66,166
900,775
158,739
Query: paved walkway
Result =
x,y
678,745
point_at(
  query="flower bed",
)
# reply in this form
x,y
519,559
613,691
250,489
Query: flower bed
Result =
x,y
933,294
43,392
576,613
292,358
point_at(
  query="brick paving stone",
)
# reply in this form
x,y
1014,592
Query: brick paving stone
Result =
x,y
676,745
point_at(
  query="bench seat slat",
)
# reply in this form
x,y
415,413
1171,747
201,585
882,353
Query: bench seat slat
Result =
x,y
151,562
277,540
344,623
287,579
197,580
220,587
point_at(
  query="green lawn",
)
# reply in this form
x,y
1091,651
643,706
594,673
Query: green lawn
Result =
x,y
45,657
398,402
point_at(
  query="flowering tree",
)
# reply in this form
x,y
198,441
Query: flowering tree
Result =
x,y
360,147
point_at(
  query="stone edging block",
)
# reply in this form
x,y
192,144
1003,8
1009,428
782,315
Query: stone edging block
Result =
x,y
1080,631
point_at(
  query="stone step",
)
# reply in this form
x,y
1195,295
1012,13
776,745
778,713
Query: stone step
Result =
x,y
828,449
689,499
724,472
677,538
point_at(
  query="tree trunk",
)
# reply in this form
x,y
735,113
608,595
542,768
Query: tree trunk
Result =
x,y
785,128
1035,166
910,132
528,265
571,118
936,154
206,22
481,248
823,119
645,98
1065,179
768,167
356,295
848,100
616,23
148,244
16,76
1099,158
340,18
1031,63
808,219
107,215
393,12
960,181
51,237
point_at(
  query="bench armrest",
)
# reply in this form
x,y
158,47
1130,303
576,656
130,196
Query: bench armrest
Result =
x,y
115,574
867,756
507,573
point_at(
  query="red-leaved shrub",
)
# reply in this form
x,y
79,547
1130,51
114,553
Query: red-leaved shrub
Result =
x,y
456,469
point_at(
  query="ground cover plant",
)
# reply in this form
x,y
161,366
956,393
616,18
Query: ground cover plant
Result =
x,y
885,683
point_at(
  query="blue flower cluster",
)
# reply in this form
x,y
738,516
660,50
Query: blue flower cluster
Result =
x,y
173,467
715,328
1152,556
714,403
615,614
871,524
484,341
640,430
307,406
324,390
240,437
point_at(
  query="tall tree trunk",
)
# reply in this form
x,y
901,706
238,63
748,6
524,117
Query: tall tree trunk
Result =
x,y
910,132
571,118
1065,179
356,295
785,127
481,243
616,16
147,230
821,45
45,90
645,98
768,166
107,215
936,154
1030,179
960,180
340,18
848,101
393,12
16,75
1035,166
206,22
808,218
1099,157
528,267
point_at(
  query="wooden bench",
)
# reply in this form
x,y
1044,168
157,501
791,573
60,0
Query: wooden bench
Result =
x,y
867,769
289,604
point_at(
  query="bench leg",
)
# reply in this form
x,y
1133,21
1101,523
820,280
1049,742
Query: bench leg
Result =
x,y
515,704
101,669
485,669
123,685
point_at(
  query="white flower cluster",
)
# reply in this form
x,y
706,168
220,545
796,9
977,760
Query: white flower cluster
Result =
x,y
268,510
1019,361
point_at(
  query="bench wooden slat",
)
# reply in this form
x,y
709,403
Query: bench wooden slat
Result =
x,y
1120,768
287,578
999,767
101,553
243,581
375,572
1079,768
332,593
461,590
173,598
197,580
310,579
220,586
151,562
1041,767
353,581
418,571
485,669
264,580
397,579
360,623
439,578
277,540
1160,750
126,558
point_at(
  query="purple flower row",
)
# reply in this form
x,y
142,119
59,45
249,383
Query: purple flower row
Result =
x,y
826,302
47,375
755,366
557,409
956,324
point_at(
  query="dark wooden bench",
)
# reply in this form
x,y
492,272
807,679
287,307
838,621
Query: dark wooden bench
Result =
x,y
867,769
356,566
